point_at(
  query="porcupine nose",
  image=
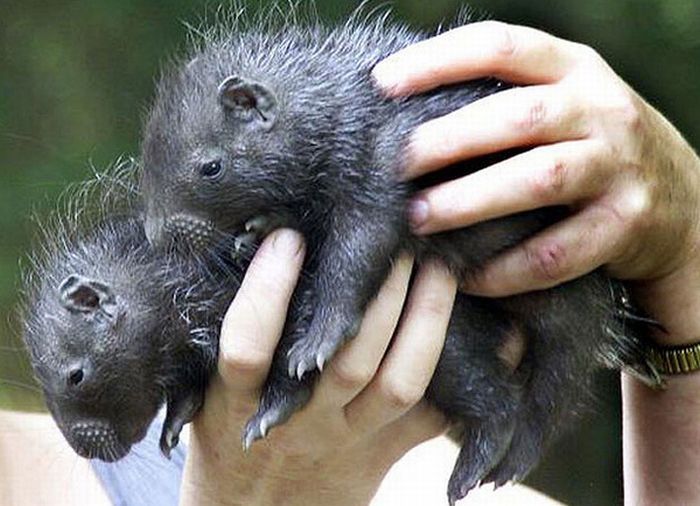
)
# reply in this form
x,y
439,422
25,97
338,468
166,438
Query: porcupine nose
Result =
x,y
188,231
96,439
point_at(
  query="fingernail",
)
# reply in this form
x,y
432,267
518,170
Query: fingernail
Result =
x,y
287,242
418,211
386,76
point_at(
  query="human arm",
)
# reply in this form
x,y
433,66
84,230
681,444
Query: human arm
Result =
x,y
32,447
661,429
630,179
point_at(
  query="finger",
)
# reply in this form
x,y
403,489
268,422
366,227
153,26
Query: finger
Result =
x,y
421,423
556,174
560,253
513,118
514,53
355,365
408,366
512,350
254,320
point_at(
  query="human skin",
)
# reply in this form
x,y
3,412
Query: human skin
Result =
x,y
632,184
367,410
38,467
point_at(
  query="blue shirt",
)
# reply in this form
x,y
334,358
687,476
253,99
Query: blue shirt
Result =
x,y
144,477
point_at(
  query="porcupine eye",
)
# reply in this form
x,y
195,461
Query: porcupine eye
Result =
x,y
211,169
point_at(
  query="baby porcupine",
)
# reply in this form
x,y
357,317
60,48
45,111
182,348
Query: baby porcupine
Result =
x,y
115,329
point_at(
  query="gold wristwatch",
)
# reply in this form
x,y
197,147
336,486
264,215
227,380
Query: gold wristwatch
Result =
x,y
675,359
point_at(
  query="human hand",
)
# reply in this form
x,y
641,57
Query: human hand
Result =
x,y
366,410
628,176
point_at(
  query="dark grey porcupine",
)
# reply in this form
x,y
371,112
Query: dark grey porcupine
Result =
x,y
113,328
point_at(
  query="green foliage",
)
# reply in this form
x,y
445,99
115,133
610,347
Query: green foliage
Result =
x,y
77,76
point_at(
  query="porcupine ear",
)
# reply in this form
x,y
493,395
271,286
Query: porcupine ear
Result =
x,y
82,295
248,101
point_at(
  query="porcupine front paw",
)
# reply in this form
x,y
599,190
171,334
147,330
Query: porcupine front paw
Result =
x,y
254,231
328,331
281,398
180,411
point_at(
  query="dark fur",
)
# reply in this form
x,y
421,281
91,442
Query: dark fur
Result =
x,y
115,329
304,139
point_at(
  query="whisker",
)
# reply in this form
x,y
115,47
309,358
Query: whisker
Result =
x,y
20,385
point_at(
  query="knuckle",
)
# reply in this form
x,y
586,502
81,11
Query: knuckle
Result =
x,y
236,361
623,106
549,184
546,261
635,209
431,306
399,394
349,377
502,37
629,114
532,118
587,54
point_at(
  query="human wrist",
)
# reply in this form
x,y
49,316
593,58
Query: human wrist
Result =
x,y
673,297
674,302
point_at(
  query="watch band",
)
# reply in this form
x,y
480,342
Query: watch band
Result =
x,y
676,359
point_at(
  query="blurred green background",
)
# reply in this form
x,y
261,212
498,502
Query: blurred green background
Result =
x,y
77,76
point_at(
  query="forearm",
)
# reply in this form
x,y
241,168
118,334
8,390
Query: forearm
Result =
x,y
31,446
661,442
661,429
